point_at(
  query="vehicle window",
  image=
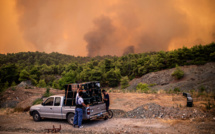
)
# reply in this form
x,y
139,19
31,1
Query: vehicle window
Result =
x,y
49,101
57,101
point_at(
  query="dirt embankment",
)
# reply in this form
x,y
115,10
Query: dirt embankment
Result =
x,y
23,97
195,77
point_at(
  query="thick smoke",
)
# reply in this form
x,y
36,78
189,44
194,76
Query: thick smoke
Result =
x,y
128,50
101,40
107,27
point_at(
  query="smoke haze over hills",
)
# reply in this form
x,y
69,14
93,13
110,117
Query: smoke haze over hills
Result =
x,y
108,27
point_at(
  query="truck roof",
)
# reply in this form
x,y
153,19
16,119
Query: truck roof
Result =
x,y
58,95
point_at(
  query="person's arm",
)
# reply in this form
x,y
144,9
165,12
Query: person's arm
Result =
x,y
84,105
77,94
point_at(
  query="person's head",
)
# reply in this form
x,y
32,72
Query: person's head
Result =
x,y
103,91
81,94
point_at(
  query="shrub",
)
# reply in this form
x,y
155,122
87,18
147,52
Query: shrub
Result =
x,y
152,84
169,91
47,93
18,109
55,84
201,89
143,87
13,84
124,82
178,73
41,83
208,105
33,81
37,101
176,90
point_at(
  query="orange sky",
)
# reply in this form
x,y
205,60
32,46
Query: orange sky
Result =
x,y
101,27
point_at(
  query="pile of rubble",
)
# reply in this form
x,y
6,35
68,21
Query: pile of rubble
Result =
x,y
152,110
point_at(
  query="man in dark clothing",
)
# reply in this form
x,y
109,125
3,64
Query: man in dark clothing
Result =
x,y
106,99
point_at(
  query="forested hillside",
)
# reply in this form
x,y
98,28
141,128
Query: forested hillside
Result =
x,y
56,69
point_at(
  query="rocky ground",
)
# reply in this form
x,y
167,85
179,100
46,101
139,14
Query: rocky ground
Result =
x,y
23,123
195,77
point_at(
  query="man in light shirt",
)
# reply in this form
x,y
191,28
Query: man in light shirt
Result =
x,y
78,110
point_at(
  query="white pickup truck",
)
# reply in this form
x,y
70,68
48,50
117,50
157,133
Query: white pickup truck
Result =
x,y
53,107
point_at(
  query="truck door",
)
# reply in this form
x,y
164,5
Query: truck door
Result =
x,y
47,108
57,108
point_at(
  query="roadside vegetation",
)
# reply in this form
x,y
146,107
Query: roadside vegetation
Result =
x,y
178,73
55,70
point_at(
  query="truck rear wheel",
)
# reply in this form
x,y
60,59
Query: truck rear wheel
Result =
x,y
36,116
70,118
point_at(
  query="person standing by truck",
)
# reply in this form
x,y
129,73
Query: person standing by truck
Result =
x,y
106,99
78,110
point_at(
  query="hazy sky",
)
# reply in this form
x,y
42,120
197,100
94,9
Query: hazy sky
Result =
x,y
101,27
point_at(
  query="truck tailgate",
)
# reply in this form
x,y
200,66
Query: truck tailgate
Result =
x,y
97,109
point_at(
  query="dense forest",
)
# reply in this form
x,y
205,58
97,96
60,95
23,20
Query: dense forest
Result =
x,y
55,70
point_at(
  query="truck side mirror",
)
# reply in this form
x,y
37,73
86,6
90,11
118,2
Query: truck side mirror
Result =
x,y
43,104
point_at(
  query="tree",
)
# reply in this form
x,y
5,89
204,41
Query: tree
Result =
x,y
69,77
113,77
55,84
96,75
24,75
124,82
41,83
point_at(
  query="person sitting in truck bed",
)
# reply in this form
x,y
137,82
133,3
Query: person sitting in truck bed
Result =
x,y
106,99
78,110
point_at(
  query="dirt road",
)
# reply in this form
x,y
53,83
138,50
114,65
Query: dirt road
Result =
x,y
23,123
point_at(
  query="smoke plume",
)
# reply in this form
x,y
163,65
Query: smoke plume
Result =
x,y
128,50
107,27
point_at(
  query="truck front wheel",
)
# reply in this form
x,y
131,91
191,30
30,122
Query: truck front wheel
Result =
x,y
70,118
36,116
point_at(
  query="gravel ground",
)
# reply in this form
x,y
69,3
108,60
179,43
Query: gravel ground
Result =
x,y
23,123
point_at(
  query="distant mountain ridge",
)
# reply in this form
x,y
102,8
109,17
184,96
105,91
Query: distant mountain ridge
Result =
x,y
39,58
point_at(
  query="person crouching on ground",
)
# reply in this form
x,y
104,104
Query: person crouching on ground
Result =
x,y
106,99
78,110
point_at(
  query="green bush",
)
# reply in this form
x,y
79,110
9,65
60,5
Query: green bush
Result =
x,y
13,84
47,93
152,84
124,82
55,84
176,90
33,81
37,101
143,87
169,91
178,73
201,89
41,83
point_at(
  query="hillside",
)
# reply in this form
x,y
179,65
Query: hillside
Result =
x,y
195,77
55,70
